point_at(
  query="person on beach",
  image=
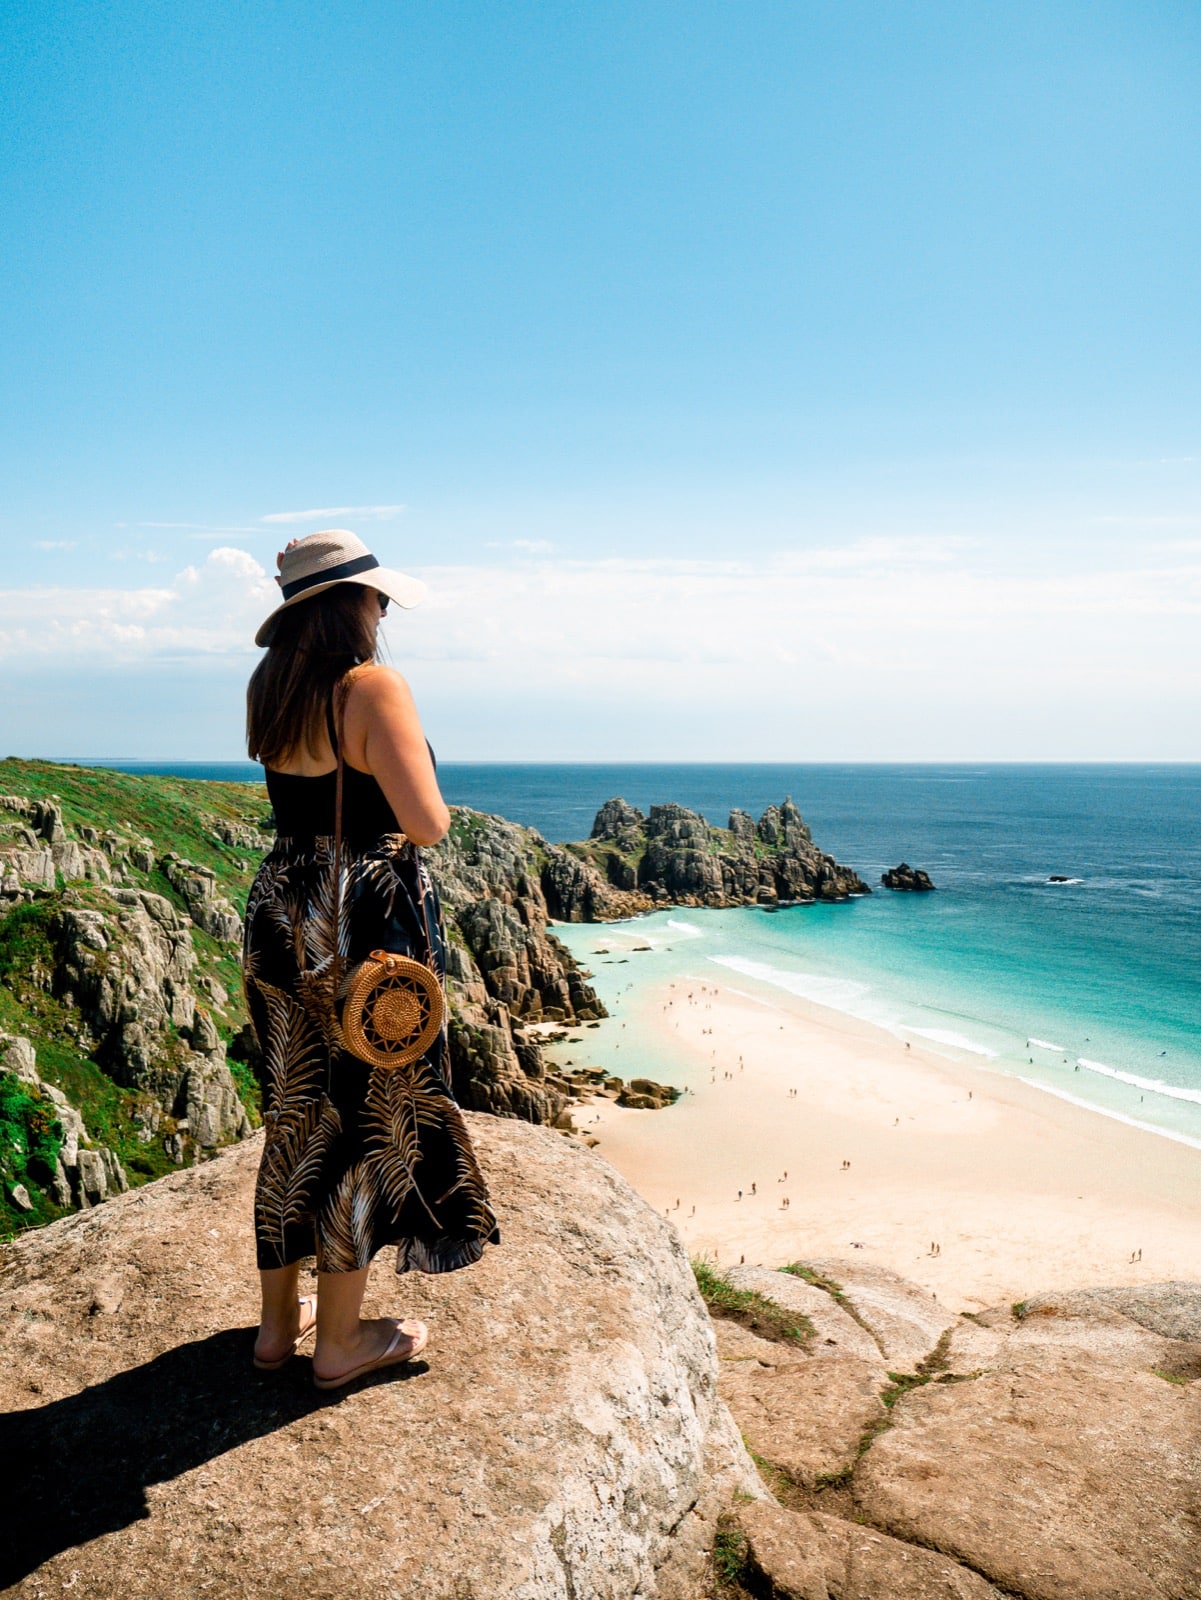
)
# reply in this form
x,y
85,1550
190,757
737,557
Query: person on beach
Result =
x,y
356,1157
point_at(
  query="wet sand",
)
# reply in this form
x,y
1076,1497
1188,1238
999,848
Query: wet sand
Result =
x,y
968,1182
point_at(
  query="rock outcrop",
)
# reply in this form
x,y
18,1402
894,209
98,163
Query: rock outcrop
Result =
x,y
913,879
128,977
1047,1451
84,1174
634,863
504,968
563,1439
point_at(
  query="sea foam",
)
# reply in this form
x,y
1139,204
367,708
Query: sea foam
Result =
x,y
1152,1085
1045,1044
1116,1116
837,993
959,1040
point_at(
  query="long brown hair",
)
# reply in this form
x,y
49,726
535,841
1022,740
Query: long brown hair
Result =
x,y
313,644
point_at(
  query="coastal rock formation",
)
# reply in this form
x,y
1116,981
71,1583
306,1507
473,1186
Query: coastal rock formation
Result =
x,y
83,1175
562,1440
128,977
197,887
634,863
504,966
906,877
1052,1449
804,1414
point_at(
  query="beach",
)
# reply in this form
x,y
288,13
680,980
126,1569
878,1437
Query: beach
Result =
x,y
804,1133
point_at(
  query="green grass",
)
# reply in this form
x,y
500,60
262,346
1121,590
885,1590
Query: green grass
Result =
x,y
177,813
730,1557
750,1309
25,943
30,1139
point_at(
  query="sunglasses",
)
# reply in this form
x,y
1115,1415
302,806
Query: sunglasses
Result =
x,y
383,605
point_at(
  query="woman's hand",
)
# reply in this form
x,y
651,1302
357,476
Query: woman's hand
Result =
x,y
383,728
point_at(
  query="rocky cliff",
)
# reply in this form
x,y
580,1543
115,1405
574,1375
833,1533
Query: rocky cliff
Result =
x,y
568,1434
1049,1450
673,856
121,1009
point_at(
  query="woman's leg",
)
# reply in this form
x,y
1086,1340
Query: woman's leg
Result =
x,y
280,1325
344,1340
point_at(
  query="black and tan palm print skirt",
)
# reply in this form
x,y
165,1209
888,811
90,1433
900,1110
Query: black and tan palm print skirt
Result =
x,y
356,1158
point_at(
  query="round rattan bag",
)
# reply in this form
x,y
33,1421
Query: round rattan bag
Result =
x,y
393,1010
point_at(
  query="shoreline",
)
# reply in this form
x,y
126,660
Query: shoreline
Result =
x,y
1019,1189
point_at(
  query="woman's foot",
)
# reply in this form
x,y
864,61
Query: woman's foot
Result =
x,y
384,1342
276,1345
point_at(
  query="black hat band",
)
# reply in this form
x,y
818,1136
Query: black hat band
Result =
x,y
344,569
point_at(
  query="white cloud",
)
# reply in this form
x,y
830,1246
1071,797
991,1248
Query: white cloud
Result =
x,y
527,547
207,610
199,530
890,649
375,513
55,544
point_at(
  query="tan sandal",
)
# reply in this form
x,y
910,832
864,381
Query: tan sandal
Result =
x,y
415,1333
309,1300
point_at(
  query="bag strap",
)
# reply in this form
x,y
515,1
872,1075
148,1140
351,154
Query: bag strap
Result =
x,y
341,690
337,729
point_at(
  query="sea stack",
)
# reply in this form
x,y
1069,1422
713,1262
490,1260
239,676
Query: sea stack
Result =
x,y
906,877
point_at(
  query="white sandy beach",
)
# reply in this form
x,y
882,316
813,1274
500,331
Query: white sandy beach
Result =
x,y
1018,1190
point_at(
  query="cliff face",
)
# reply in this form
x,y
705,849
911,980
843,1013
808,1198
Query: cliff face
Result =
x,y
119,981
505,966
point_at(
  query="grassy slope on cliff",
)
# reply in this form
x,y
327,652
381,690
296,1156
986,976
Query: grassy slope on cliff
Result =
x,y
175,814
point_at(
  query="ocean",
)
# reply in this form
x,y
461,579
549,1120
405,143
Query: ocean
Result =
x,y
1089,988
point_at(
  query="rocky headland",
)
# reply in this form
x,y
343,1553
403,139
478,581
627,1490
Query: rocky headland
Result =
x,y
580,1427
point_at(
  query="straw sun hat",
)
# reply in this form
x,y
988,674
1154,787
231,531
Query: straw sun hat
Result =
x,y
321,560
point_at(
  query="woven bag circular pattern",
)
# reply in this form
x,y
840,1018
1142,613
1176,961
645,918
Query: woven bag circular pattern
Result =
x,y
393,1010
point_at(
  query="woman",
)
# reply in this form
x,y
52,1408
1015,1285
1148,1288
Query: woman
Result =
x,y
356,1157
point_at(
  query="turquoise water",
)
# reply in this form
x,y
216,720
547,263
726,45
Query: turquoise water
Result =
x,y
1102,974
973,990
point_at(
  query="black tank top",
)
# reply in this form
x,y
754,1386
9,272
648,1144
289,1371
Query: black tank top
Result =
x,y
304,807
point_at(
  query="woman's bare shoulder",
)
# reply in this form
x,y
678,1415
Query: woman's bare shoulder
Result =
x,y
373,684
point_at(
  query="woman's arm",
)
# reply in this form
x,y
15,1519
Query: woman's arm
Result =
x,y
383,737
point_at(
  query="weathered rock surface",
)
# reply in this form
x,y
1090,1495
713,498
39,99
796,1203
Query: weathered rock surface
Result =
x,y
1057,1453
197,887
809,1556
837,1332
908,878
804,1414
129,976
905,1321
563,1437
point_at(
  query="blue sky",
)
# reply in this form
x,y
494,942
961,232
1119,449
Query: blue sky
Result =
x,y
748,381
